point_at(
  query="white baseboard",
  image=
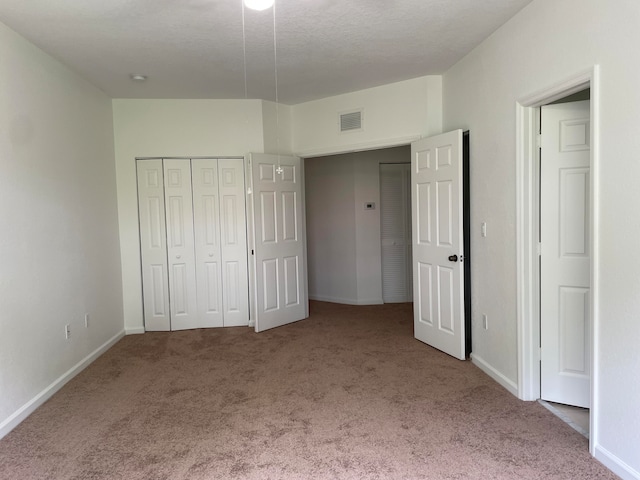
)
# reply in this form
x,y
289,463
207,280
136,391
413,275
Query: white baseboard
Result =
x,y
346,301
616,465
511,386
28,408
134,331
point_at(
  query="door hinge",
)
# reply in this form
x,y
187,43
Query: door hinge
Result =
x,y
538,140
251,251
539,248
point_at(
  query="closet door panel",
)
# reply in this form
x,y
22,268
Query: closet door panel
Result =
x,y
233,236
180,244
206,213
153,245
395,233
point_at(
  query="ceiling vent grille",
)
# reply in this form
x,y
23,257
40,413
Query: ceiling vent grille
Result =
x,y
351,121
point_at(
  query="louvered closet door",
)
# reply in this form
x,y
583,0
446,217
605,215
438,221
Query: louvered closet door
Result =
x,y
153,245
180,244
395,213
206,214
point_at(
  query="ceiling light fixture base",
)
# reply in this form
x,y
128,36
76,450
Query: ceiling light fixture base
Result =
x,y
259,4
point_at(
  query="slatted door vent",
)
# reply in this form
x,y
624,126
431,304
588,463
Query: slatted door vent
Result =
x,y
351,121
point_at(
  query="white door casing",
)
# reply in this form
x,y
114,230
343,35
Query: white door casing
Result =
x,y
395,232
278,263
153,245
180,244
437,216
565,254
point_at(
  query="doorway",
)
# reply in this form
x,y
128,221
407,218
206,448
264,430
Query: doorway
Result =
x,y
342,194
563,172
529,280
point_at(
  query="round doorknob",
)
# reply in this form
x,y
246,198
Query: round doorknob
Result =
x,y
177,256
211,254
453,258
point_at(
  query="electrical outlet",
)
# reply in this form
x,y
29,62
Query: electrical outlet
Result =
x,y
86,320
485,322
67,331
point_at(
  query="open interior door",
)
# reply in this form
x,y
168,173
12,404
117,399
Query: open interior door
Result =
x,y
565,277
437,219
279,264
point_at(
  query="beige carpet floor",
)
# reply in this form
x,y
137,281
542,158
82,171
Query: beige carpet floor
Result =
x,y
346,394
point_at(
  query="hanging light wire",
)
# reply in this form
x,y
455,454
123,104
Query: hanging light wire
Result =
x,y
244,51
275,68
275,72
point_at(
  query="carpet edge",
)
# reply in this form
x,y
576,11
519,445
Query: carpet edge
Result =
x,y
28,408
499,377
346,301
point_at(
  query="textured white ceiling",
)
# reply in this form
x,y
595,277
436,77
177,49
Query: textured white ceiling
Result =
x,y
194,48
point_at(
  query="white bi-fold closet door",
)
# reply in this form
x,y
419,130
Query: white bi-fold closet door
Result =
x,y
193,243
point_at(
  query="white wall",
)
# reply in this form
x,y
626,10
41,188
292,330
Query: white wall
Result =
x,y
546,43
276,123
181,128
345,264
59,246
331,240
394,114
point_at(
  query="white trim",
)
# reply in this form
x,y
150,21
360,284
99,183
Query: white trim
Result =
x,y
507,383
28,408
613,463
528,337
346,301
595,257
528,326
134,330
358,147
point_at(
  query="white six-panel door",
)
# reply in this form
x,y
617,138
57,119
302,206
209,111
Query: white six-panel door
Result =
x,y
180,244
278,237
438,274
565,254
153,245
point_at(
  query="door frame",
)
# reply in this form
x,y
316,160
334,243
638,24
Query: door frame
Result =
x,y
527,231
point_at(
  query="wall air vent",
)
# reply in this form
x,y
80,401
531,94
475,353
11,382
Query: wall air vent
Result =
x,y
351,121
